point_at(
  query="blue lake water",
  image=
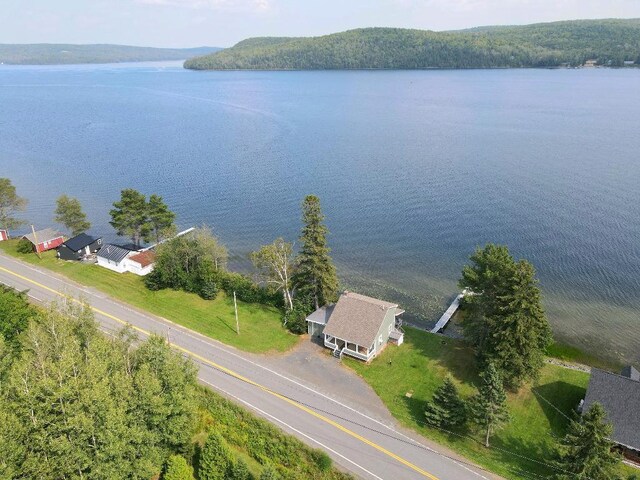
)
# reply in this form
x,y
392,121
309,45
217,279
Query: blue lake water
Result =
x,y
414,169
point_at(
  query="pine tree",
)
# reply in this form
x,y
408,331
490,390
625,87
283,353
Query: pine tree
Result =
x,y
586,448
177,468
505,320
488,408
447,409
69,213
129,215
215,458
315,277
160,220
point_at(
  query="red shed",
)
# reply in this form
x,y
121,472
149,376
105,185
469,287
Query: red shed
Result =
x,y
4,235
45,239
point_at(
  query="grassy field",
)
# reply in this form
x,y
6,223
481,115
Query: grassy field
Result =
x,y
538,411
260,326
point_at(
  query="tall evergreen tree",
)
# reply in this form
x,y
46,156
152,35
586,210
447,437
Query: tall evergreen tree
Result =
x,y
447,409
161,220
240,471
488,408
129,215
505,319
69,213
10,204
315,276
585,451
215,459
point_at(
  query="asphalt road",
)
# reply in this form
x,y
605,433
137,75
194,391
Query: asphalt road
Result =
x,y
362,445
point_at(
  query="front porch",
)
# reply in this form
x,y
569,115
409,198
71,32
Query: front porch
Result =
x,y
341,347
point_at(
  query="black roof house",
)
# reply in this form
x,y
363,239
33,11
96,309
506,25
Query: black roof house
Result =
x,y
77,247
620,397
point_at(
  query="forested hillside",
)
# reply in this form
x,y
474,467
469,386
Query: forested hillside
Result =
x,y
610,42
54,54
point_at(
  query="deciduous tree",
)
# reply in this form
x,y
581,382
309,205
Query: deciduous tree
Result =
x,y
69,213
315,276
585,451
274,262
10,204
504,318
488,407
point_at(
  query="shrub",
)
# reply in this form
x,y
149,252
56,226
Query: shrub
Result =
x,y
177,468
269,473
321,459
296,319
24,246
208,288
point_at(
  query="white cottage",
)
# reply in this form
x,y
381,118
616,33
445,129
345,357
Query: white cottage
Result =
x,y
357,325
113,257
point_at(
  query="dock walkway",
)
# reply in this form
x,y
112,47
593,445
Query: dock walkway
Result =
x,y
446,316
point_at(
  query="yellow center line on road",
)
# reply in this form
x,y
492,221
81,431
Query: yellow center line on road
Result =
x,y
242,378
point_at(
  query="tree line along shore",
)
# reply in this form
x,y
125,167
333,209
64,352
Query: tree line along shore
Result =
x,y
475,395
611,42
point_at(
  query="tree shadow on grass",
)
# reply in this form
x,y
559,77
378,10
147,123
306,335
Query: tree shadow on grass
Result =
x,y
527,456
558,401
454,355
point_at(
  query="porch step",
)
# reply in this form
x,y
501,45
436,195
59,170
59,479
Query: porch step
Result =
x,y
336,353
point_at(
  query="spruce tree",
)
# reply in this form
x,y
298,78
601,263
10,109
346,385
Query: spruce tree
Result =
x,y
269,473
240,471
129,215
488,408
177,468
447,409
586,448
215,458
315,277
504,318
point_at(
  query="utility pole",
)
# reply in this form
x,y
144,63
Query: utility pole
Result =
x,y
35,239
235,306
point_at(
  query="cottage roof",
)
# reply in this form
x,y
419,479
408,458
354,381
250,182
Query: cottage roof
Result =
x,y
44,235
620,397
357,318
79,242
321,315
145,258
113,253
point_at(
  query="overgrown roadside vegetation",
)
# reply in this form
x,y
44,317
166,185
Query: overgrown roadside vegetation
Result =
x,y
80,404
260,326
537,410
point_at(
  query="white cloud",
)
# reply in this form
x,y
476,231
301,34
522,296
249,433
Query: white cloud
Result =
x,y
227,5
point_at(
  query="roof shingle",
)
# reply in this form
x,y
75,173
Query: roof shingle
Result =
x,y
620,397
357,318
113,253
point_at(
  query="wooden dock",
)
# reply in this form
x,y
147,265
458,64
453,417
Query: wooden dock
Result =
x,y
446,316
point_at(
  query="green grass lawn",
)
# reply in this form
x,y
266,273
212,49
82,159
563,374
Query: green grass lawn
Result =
x,y
260,326
420,365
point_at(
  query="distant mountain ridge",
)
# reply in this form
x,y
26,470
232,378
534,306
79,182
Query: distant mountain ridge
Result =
x,y
609,42
55,54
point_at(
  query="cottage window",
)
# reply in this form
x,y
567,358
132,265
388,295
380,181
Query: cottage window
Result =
x,y
380,339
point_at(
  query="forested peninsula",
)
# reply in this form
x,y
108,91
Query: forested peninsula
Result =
x,y
57,54
611,42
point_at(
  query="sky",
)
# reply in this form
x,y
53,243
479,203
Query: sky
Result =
x,y
222,23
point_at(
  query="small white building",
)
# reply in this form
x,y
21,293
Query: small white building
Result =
x,y
357,325
140,263
114,258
